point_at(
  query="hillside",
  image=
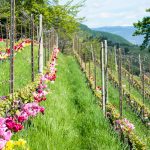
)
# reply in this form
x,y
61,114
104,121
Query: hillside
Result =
x,y
113,39
124,31
109,36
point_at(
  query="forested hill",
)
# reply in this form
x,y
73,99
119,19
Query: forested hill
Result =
x,y
112,38
124,31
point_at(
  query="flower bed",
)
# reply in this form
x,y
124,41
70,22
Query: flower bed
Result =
x,y
20,144
18,47
1,40
24,104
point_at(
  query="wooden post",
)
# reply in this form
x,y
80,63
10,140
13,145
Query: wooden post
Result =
x,y
25,30
1,30
115,57
45,48
37,33
129,77
131,71
21,32
32,47
57,40
100,58
73,43
50,40
103,79
7,33
95,69
140,65
89,65
143,82
85,61
41,46
80,51
29,30
94,63
49,46
120,80
78,45
12,46
106,72
112,62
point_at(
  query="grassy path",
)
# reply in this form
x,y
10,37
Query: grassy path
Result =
x,y
72,120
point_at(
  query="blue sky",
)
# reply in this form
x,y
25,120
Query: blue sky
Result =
x,y
113,12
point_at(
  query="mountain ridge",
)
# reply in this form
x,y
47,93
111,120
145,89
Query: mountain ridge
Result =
x,y
123,31
111,37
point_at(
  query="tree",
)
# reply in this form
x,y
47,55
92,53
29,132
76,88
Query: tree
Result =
x,y
62,17
143,28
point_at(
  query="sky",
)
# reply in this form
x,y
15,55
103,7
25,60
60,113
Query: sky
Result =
x,y
113,12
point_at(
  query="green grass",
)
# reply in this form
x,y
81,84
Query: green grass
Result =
x,y
137,93
73,119
22,70
113,97
2,45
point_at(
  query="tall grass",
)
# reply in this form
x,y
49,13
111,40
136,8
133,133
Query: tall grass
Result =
x,y
22,70
73,119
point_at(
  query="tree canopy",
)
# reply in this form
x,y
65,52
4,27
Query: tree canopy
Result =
x,y
143,28
62,17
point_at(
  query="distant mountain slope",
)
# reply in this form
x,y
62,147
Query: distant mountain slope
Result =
x,y
109,36
124,31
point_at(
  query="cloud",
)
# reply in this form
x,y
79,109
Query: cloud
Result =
x,y
114,12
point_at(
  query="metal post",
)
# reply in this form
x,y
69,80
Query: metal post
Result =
x,y
12,46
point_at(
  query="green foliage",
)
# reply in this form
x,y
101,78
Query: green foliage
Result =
x,y
143,28
62,17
